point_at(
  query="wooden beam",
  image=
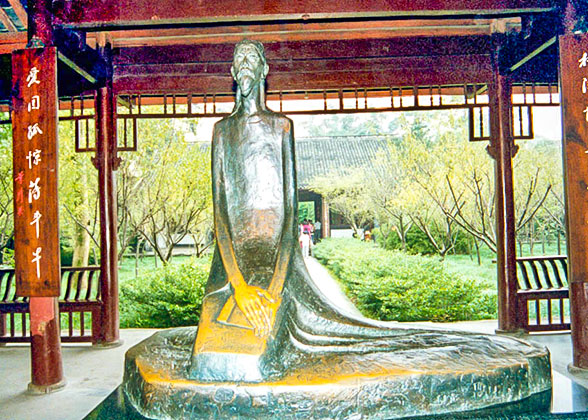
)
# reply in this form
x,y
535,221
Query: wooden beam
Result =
x,y
20,12
12,41
80,71
533,54
310,50
127,13
6,21
308,74
311,31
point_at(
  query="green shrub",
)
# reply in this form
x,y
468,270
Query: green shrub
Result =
x,y
66,253
170,296
394,286
417,241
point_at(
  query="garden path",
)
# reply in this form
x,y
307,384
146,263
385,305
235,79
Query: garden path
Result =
x,y
329,286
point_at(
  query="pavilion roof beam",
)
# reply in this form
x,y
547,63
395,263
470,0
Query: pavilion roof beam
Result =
x,y
308,74
80,71
83,61
12,41
111,14
308,50
6,21
312,31
533,54
20,12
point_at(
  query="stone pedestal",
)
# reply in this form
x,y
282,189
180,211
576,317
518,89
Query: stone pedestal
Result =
x,y
409,373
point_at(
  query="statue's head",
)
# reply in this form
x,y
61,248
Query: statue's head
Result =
x,y
249,65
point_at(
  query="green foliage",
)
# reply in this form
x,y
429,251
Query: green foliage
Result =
x,y
66,253
346,125
346,195
78,199
393,286
306,211
8,257
6,205
164,188
167,297
418,243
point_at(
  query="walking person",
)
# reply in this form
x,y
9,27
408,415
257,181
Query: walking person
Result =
x,y
317,231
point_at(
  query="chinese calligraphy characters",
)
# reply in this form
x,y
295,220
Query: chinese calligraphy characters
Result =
x,y
34,158
34,190
583,62
34,119
36,259
32,77
33,130
35,222
35,103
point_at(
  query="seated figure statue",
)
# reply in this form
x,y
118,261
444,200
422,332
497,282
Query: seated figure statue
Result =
x,y
270,344
259,294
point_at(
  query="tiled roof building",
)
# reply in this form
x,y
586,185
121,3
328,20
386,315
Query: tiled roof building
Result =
x,y
319,156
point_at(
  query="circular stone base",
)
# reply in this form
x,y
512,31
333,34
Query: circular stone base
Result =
x,y
107,345
447,372
33,389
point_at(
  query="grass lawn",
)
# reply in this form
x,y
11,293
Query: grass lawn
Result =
x,y
486,271
127,267
463,265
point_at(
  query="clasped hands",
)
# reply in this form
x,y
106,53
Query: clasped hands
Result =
x,y
255,303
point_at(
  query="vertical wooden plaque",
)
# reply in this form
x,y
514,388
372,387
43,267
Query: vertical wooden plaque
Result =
x,y
574,91
34,134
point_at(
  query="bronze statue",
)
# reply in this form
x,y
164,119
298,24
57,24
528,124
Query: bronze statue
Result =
x,y
269,344
257,271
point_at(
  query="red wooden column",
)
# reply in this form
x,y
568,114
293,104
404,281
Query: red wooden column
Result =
x,y
502,149
34,127
573,51
325,220
106,162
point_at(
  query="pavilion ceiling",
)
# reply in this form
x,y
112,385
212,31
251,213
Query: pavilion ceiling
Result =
x,y
92,14
307,65
186,45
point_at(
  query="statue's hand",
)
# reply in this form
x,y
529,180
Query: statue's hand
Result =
x,y
254,302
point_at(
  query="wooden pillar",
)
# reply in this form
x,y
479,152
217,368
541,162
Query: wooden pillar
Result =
x,y
107,162
573,50
47,365
502,150
325,220
46,360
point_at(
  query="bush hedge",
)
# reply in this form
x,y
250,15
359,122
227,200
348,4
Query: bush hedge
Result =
x,y
418,243
394,286
385,285
170,296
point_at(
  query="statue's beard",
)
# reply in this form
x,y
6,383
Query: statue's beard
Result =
x,y
246,80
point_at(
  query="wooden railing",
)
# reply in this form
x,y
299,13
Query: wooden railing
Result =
x,y
79,306
543,297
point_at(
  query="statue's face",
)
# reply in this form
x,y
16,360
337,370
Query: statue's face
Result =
x,y
248,68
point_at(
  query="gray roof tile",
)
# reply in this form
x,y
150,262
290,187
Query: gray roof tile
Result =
x,y
319,156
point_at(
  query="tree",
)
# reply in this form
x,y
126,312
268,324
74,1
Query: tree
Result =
x,y
165,189
389,194
347,195
458,176
350,125
406,167
78,197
